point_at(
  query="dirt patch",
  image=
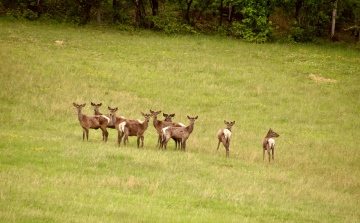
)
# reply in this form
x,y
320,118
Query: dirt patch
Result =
x,y
319,78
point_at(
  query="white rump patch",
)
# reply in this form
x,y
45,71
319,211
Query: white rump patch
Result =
x,y
106,118
141,122
122,126
227,134
164,130
182,124
271,143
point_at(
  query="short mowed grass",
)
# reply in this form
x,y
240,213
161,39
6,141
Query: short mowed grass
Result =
x,y
309,94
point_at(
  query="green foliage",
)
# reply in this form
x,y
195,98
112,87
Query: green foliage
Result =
x,y
255,26
171,25
298,34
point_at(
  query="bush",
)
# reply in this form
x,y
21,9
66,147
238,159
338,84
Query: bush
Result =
x,y
299,34
171,25
249,34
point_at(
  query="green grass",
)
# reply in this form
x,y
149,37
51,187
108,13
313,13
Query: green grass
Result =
x,y
48,174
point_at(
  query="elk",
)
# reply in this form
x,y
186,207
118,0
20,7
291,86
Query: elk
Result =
x,y
182,133
96,108
92,122
117,120
159,125
135,129
168,118
269,143
224,137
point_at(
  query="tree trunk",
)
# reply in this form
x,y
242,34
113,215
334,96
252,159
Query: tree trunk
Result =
x,y
298,5
187,15
99,14
333,20
155,7
231,12
220,12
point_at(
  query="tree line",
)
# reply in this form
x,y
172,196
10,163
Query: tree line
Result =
x,y
251,20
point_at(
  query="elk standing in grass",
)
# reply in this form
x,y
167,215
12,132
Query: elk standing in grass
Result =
x,y
159,125
181,133
92,122
168,118
97,112
224,137
96,108
135,129
119,122
269,143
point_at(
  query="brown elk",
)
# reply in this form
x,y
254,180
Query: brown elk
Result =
x,y
159,125
117,120
168,118
92,122
182,133
96,108
224,137
97,112
135,129
269,143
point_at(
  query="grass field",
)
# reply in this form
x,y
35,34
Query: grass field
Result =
x,y
309,94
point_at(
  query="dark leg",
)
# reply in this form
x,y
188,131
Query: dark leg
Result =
x,y
227,153
273,153
183,145
142,141
87,135
83,134
218,145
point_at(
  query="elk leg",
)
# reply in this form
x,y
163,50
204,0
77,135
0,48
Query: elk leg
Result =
x,y
83,134
119,138
218,145
268,150
273,153
183,145
87,135
142,141
227,153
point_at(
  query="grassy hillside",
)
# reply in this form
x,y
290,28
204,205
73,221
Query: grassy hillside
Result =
x,y
308,94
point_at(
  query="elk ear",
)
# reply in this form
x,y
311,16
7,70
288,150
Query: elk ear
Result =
x,y
172,115
83,105
75,104
188,117
196,117
109,108
142,114
233,123
92,104
226,122
116,108
165,115
151,111
100,104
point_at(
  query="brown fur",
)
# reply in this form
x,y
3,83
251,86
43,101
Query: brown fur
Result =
x,y
116,120
159,125
182,133
91,122
266,145
221,137
136,129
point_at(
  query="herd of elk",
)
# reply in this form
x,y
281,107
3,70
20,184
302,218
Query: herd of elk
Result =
x,y
166,129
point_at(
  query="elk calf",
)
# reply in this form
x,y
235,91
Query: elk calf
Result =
x,y
92,122
159,125
224,137
118,120
135,129
181,133
269,143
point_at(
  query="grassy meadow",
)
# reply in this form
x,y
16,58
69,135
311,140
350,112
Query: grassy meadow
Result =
x,y
309,94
